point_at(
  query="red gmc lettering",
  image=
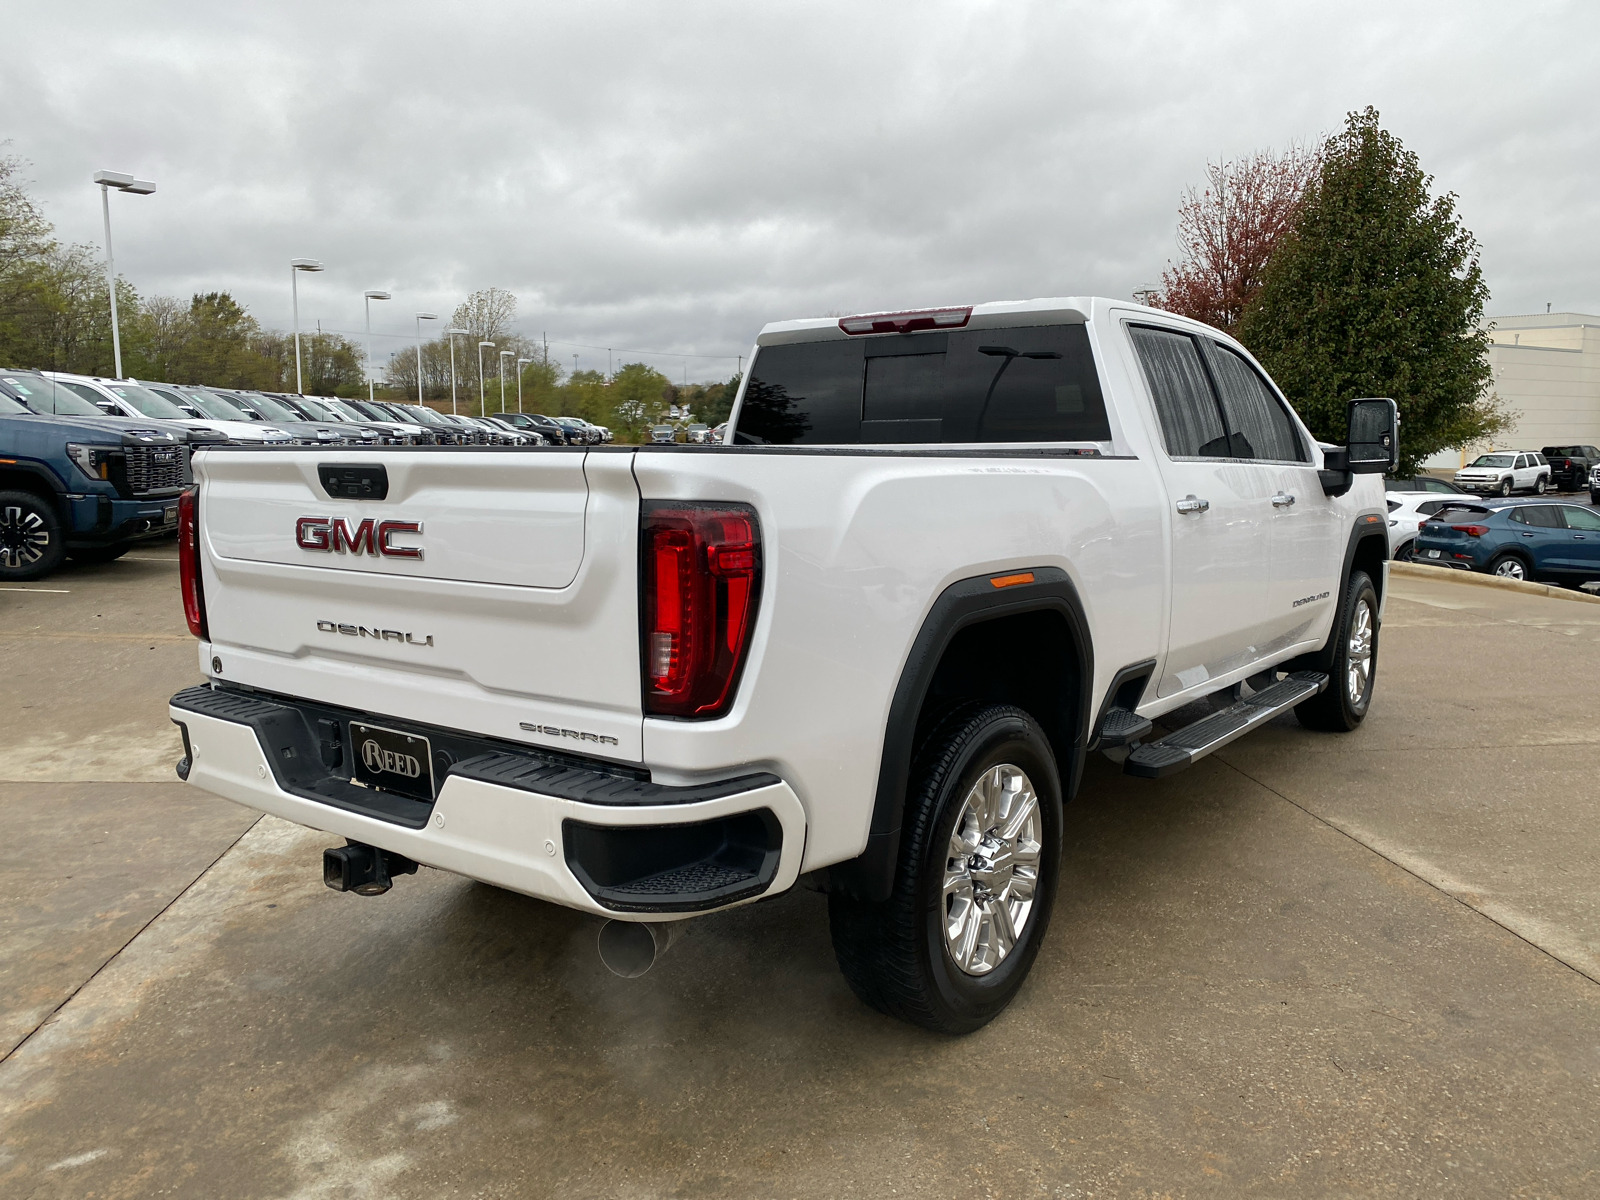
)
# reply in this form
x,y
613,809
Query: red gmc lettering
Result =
x,y
311,533
344,538
388,529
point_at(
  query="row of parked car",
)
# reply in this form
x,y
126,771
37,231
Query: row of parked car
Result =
x,y
90,466
1447,524
278,418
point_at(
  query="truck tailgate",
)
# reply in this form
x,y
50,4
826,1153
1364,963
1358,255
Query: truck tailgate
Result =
x,y
494,591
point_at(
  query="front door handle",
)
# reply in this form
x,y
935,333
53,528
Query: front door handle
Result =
x,y
1282,500
1193,504
1527,535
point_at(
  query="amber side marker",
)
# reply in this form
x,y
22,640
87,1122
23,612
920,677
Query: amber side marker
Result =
x,y
1012,580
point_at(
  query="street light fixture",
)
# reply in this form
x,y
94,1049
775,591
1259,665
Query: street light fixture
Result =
x,y
137,187
421,317
521,362
504,354
451,335
296,265
483,409
371,295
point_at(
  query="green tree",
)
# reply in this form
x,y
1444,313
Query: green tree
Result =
x,y
638,400
1377,291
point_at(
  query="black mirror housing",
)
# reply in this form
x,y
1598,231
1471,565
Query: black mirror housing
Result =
x,y
1374,438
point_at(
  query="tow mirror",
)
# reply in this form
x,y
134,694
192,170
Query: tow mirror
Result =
x,y
1372,445
1374,441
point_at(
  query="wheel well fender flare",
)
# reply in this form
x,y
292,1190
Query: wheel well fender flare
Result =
x,y
961,606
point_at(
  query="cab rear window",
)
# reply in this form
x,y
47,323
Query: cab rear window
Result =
x,y
1025,384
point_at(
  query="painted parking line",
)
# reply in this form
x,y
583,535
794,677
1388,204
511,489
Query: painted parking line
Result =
x,y
52,591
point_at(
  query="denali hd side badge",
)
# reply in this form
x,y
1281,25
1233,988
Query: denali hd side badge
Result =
x,y
382,635
335,536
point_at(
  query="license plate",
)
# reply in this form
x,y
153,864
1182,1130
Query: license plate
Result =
x,y
1433,554
169,515
393,761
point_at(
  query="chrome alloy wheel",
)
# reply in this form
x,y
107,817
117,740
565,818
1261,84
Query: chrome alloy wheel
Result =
x,y
1358,658
1511,568
23,538
991,869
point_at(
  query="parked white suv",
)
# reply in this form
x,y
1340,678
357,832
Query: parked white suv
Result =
x,y
121,398
1407,512
944,555
1504,472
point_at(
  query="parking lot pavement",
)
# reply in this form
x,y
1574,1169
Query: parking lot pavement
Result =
x,y
1283,972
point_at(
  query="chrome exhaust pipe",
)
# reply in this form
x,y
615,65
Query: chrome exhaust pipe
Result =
x,y
630,948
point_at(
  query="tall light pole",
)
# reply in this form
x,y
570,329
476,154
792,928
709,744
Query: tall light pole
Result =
x,y
483,409
296,265
421,317
521,362
504,354
138,187
451,335
371,295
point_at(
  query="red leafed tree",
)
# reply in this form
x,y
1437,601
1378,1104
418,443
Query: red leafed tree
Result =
x,y
1227,231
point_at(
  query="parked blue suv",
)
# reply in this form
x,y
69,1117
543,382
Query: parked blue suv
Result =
x,y
1559,543
82,488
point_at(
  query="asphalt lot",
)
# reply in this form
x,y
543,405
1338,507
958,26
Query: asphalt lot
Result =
x,y
1313,965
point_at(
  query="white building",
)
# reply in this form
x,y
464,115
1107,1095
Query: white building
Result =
x,y
1546,372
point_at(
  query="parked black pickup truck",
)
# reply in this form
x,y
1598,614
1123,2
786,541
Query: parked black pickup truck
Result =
x,y
1570,466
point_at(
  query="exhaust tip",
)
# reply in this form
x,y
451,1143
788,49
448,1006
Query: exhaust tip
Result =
x,y
629,949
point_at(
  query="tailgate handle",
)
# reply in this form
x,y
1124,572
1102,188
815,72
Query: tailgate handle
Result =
x,y
354,481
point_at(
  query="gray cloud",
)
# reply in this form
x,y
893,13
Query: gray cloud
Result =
x,y
671,176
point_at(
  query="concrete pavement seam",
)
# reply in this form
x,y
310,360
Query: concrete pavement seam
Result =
x,y
1415,874
112,957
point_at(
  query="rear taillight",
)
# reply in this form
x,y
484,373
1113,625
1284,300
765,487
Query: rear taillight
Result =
x,y
194,603
699,585
1471,530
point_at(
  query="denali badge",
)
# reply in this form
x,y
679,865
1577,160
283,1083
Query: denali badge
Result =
x,y
334,535
579,734
377,758
382,635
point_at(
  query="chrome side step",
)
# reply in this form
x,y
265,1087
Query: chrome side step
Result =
x,y
1188,745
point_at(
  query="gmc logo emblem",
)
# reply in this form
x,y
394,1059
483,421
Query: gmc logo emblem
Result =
x,y
334,535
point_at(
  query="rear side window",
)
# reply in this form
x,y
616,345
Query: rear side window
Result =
x,y
1257,424
1191,425
1022,384
1542,516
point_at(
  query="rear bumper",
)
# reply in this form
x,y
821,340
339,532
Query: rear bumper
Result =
x,y
591,840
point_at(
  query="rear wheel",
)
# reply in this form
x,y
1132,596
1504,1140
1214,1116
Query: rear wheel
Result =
x,y
1509,566
979,856
1352,666
1406,553
1539,485
31,544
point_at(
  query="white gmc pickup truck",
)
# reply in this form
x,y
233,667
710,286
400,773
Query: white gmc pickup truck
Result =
x,y
942,557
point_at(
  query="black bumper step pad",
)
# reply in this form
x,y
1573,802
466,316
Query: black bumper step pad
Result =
x,y
1186,746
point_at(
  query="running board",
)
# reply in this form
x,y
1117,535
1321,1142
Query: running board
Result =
x,y
1188,745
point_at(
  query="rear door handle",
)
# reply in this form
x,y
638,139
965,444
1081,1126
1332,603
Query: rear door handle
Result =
x,y
1282,500
1193,504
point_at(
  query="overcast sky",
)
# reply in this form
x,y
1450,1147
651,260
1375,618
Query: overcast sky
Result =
x,y
667,177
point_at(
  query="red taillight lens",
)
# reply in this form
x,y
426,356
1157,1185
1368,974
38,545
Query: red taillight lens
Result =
x,y
194,604
1471,530
700,582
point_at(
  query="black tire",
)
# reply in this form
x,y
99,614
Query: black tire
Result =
x,y
1336,709
896,955
1505,486
1406,553
1510,566
32,543
1539,485
91,555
